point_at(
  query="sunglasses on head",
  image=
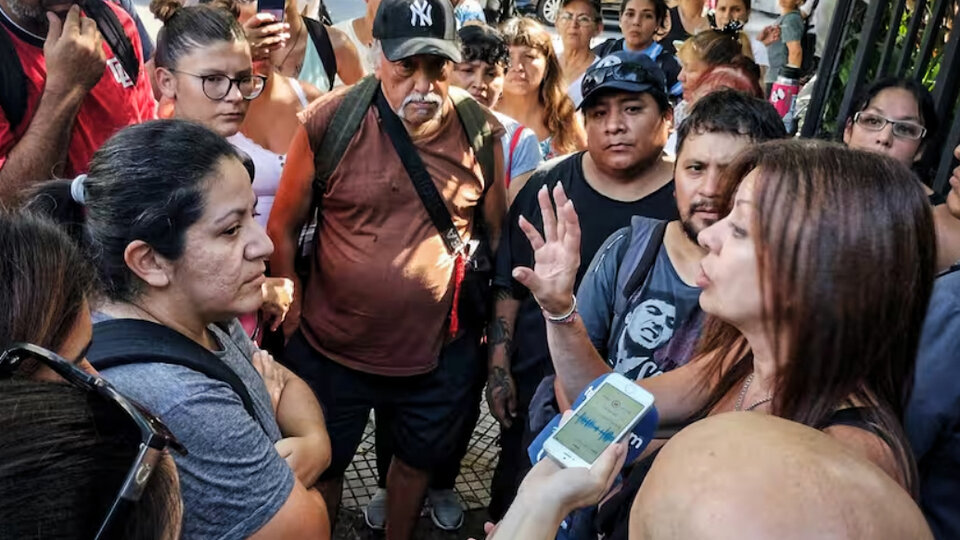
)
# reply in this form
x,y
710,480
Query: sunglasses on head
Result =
x,y
620,73
155,437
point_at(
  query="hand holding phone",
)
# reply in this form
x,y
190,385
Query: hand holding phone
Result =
x,y
604,418
265,34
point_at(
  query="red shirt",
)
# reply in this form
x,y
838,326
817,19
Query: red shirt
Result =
x,y
114,103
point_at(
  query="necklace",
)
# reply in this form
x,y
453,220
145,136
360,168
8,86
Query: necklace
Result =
x,y
743,393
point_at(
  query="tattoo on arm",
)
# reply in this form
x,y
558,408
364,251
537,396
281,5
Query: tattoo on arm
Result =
x,y
500,333
499,380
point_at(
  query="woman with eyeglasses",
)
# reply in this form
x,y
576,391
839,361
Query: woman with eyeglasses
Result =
x,y
65,451
816,283
896,117
578,23
172,236
533,93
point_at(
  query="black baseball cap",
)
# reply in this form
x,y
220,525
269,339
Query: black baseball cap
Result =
x,y
629,71
410,27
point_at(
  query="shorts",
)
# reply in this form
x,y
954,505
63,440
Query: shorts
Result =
x,y
427,411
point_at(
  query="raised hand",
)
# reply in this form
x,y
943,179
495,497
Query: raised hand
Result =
x,y
265,35
556,254
73,53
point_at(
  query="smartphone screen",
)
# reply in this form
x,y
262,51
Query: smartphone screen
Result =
x,y
598,422
274,7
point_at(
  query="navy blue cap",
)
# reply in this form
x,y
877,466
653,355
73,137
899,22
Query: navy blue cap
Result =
x,y
628,71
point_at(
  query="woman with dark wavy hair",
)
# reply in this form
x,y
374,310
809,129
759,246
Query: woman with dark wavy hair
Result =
x,y
816,282
534,94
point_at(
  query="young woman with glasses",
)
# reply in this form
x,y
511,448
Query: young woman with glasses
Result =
x,y
896,117
68,452
172,236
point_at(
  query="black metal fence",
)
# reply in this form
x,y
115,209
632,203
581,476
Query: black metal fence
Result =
x,y
903,38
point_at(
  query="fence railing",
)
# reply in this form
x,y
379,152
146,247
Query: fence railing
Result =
x,y
903,38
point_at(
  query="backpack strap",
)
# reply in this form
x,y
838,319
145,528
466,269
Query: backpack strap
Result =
x,y
479,134
115,36
321,40
13,84
119,342
645,238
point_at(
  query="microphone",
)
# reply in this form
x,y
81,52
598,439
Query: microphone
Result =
x,y
637,439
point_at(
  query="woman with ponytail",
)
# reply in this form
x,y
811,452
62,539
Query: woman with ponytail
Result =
x,y
172,236
534,94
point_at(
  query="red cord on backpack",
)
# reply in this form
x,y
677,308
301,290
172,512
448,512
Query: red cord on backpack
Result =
x,y
459,271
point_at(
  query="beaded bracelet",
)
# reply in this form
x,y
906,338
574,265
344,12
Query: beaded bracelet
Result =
x,y
566,318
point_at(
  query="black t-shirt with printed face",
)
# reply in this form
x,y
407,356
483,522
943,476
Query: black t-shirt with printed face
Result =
x,y
600,217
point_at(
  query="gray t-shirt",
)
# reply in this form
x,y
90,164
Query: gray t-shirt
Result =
x,y
232,481
791,29
661,321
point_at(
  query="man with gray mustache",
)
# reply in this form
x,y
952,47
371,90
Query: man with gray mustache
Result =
x,y
377,324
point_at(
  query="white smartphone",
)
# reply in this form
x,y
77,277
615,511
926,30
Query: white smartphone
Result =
x,y
603,418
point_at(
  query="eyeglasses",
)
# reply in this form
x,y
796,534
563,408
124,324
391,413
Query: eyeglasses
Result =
x,y
155,436
901,129
581,19
622,73
217,86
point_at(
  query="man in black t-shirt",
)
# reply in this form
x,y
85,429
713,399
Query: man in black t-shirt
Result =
x,y
622,174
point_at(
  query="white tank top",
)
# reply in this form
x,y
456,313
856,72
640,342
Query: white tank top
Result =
x,y
365,52
268,165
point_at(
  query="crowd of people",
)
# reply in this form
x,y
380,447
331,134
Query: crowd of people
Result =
x,y
225,249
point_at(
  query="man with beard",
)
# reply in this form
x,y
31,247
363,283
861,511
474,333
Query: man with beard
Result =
x,y
380,325
65,90
641,312
639,301
627,116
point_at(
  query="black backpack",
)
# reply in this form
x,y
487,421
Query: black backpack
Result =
x,y
13,83
321,40
118,342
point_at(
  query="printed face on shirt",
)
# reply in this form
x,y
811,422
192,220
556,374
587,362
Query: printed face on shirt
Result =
x,y
528,66
625,130
730,275
483,80
731,10
415,87
184,85
638,23
699,164
221,271
647,327
894,104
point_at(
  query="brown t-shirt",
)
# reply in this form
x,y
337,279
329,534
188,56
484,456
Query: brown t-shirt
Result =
x,y
382,285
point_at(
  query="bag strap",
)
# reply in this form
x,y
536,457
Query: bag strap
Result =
x,y
115,36
480,136
513,146
13,84
340,131
432,201
639,274
321,40
119,342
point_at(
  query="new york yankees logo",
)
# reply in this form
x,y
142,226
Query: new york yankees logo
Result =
x,y
421,13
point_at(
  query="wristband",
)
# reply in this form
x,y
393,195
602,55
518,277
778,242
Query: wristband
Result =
x,y
566,318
